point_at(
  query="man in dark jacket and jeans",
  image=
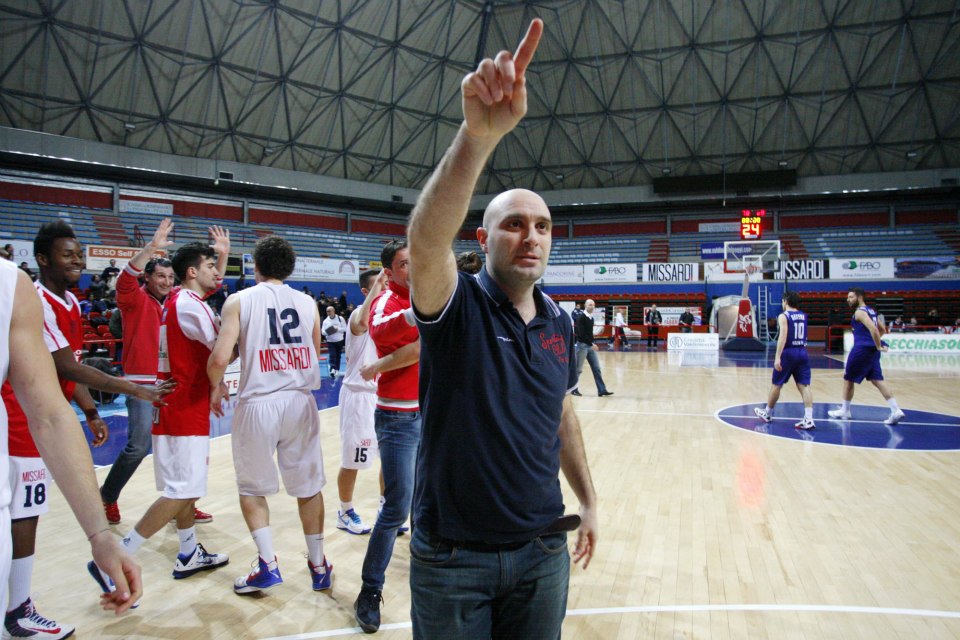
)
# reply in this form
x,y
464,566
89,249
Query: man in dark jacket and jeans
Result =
x,y
586,349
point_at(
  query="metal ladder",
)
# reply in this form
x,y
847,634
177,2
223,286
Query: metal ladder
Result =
x,y
764,300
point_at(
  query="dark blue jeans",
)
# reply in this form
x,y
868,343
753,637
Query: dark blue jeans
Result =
x,y
139,425
398,435
466,594
586,352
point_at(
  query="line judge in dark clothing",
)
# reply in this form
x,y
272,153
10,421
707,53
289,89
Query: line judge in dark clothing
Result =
x,y
586,349
488,556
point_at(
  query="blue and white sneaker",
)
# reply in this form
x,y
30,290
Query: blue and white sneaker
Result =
x,y
26,622
262,578
350,522
104,581
199,560
321,581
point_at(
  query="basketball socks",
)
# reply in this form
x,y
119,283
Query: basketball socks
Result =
x,y
21,572
345,506
264,541
133,541
769,410
893,405
846,406
808,413
315,550
188,540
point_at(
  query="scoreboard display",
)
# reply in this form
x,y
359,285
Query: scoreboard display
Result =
x,y
751,224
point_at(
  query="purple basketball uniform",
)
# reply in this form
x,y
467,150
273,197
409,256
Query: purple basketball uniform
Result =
x,y
793,360
863,363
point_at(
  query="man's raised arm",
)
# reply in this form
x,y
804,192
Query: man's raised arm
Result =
x,y
494,101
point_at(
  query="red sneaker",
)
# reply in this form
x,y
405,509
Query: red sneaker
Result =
x,y
112,511
201,517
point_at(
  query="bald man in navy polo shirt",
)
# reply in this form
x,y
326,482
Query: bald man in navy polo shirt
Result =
x,y
489,552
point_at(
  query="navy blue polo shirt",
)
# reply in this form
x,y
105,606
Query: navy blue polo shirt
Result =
x,y
491,395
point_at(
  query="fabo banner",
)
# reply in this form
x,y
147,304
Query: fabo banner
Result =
x,y
861,268
670,271
622,272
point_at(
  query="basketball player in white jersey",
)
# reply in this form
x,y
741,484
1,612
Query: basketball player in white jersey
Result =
x,y
358,400
57,433
278,330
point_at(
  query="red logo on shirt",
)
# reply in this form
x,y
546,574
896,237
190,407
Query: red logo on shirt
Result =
x,y
556,344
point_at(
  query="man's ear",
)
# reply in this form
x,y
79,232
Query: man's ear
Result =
x,y
482,236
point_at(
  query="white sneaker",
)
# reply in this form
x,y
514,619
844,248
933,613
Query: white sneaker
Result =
x,y
839,413
350,522
895,417
26,622
762,414
199,560
805,424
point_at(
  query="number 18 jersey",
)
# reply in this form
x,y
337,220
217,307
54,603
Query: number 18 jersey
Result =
x,y
276,341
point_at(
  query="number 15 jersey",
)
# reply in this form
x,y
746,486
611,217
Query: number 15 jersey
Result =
x,y
276,341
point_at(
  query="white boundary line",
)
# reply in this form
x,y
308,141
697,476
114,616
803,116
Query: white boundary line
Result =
x,y
678,608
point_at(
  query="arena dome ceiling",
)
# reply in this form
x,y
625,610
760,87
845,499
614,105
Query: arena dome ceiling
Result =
x,y
621,92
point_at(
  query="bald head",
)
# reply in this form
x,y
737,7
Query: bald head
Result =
x,y
589,306
513,200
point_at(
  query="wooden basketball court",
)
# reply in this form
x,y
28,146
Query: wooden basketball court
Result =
x,y
708,531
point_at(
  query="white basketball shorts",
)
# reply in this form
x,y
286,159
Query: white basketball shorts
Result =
x,y
358,440
180,465
29,485
287,423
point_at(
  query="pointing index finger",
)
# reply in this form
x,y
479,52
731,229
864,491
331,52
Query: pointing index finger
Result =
x,y
528,46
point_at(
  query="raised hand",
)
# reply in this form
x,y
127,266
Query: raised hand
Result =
x,y
159,240
495,95
219,239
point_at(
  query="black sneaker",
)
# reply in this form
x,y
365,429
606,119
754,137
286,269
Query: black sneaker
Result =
x,y
367,608
576,392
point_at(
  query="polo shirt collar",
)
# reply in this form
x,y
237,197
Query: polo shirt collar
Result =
x,y
546,307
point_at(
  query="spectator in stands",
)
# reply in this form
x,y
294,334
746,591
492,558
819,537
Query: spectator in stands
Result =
x,y
241,282
912,325
933,317
109,274
97,289
686,322
8,252
216,299
342,302
116,324
306,290
897,325
469,262
26,269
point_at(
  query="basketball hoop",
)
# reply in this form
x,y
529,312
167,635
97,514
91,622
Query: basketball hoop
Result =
x,y
751,269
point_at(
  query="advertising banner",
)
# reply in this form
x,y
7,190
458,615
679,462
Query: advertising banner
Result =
x,y
693,341
711,251
934,268
860,268
719,227
801,270
22,252
99,256
670,271
231,377
325,269
563,274
618,272
139,206
946,344
713,272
